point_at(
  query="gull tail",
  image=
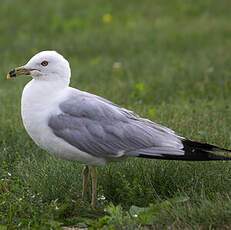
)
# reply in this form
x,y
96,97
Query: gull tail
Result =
x,y
192,151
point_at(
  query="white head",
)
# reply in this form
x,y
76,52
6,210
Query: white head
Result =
x,y
45,66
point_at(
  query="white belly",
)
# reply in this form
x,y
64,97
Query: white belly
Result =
x,y
36,111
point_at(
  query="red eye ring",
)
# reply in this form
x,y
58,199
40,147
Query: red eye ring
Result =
x,y
44,63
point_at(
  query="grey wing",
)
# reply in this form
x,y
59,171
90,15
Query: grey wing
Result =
x,y
103,129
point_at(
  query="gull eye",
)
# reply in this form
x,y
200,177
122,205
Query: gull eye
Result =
x,y
44,63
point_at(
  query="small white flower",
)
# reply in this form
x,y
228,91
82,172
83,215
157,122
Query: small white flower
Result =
x,y
102,197
117,65
210,69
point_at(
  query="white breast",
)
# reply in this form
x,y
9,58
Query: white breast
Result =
x,y
40,100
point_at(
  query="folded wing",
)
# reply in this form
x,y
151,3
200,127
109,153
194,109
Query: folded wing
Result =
x,y
103,129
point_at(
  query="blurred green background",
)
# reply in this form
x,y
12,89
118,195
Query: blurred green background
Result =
x,y
167,60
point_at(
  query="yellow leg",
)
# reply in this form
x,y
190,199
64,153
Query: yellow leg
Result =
x,y
85,180
94,186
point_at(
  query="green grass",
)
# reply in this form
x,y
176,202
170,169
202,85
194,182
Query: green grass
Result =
x,y
175,69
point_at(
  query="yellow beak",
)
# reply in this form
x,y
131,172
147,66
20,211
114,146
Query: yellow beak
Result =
x,y
17,72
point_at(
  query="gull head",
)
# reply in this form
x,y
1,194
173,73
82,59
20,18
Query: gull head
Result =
x,y
45,66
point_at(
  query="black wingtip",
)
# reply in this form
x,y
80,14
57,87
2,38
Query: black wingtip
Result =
x,y
195,151
202,151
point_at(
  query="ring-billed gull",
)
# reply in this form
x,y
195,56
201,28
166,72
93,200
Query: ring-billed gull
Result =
x,y
76,125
